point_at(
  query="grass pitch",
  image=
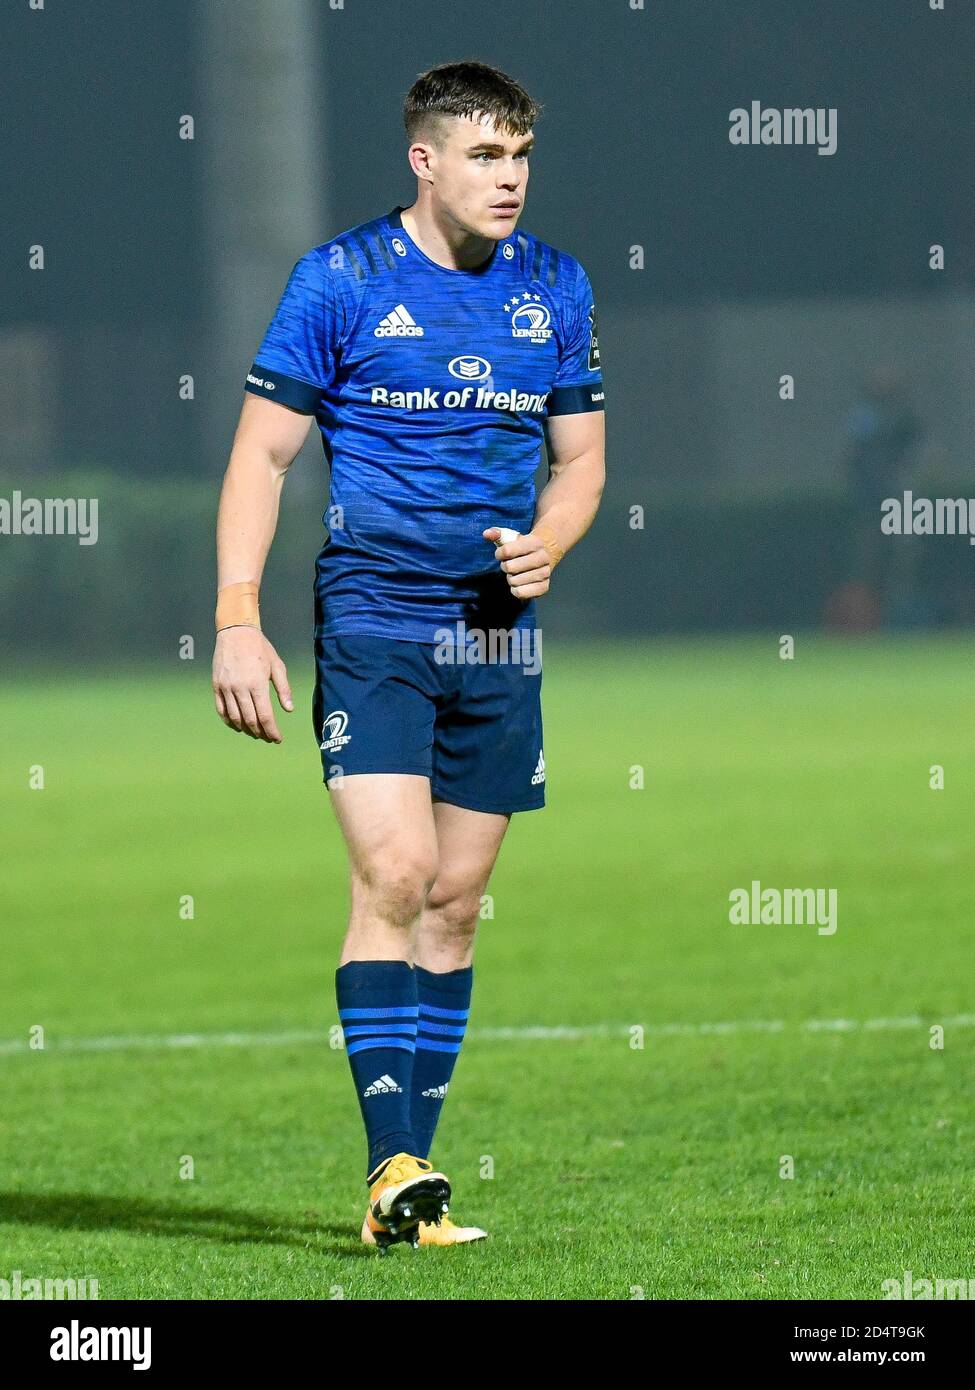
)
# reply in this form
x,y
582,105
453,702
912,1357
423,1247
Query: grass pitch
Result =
x,y
601,1169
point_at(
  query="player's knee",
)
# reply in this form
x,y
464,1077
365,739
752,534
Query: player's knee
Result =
x,y
454,910
396,890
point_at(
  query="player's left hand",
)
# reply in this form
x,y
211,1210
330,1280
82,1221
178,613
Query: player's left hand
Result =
x,y
524,560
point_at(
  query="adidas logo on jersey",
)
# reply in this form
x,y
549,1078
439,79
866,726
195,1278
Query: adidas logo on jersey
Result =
x,y
538,776
398,323
436,1092
383,1085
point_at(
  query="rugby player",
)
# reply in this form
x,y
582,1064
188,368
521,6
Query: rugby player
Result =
x,y
434,346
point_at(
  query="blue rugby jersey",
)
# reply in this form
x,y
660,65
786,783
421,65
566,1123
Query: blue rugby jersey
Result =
x,y
430,387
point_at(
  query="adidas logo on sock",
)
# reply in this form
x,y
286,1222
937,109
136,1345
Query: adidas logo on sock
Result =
x,y
381,1086
398,323
538,776
436,1092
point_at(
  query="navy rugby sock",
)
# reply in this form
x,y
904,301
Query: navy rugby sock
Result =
x,y
377,1002
444,1003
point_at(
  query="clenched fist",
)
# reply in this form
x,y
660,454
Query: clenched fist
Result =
x,y
524,560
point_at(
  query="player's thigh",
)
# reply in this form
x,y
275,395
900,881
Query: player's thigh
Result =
x,y
468,843
373,713
388,826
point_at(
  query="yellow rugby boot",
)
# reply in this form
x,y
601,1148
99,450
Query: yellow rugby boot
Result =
x,y
445,1232
406,1192
432,1233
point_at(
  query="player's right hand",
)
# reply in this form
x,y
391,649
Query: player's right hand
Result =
x,y
244,662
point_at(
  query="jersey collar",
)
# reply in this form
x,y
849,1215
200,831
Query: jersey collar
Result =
x,y
395,220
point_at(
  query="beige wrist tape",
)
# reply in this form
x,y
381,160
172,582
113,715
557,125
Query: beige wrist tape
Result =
x,y
550,541
237,606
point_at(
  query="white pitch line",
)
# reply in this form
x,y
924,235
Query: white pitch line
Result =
x,y
163,1042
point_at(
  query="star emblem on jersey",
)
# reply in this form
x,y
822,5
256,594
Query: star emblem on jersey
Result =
x,y
398,323
538,776
383,1085
333,731
530,319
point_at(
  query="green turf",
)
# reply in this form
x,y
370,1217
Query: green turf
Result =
x,y
614,1168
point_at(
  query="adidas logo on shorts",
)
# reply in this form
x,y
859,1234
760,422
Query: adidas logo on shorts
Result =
x,y
382,1085
538,776
436,1092
398,323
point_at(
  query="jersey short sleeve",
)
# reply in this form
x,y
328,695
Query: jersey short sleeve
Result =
x,y
296,361
578,384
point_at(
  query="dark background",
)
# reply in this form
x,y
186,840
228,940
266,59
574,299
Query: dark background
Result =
x,y
165,257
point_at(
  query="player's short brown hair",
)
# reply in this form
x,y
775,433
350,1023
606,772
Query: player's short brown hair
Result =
x,y
467,89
